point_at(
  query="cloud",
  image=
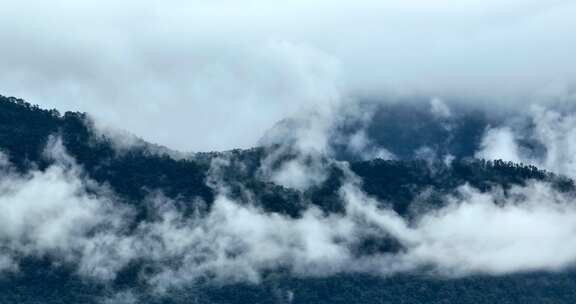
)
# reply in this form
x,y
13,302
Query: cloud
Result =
x,y
51,212
121,298
62,214
550,128
489,233
210,76
555,129
200,75
439,108
477,234
199,93
499,143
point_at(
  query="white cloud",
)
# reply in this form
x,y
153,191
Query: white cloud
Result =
x,y
556,130
439,108
198,75
551,125
499,143
482,232
206,75
51,213
476,234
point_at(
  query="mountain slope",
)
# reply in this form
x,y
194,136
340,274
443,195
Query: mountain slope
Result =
x,y
138,173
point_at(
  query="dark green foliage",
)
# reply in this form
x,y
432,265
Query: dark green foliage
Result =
x,y
56,287
404,127
24,129
401,182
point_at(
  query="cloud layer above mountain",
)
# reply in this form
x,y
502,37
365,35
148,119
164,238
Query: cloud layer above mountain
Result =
x,y
211,75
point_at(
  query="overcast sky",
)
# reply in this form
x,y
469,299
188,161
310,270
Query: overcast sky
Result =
x,y
212,75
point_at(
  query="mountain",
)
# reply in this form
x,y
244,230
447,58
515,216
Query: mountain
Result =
x,y
404,186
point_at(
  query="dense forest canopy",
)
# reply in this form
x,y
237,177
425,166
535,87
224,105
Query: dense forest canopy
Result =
x,y
35,141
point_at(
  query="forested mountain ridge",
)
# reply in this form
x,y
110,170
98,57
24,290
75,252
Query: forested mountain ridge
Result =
x,y
25,130
137,173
